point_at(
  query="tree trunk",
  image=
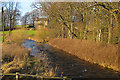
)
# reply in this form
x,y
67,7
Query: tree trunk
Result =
x,y
110,30
99,35
85,30
119,42
71,37
62,32
9,19
69,32
3,22
119,38
13,23
94,35
79,33
85,25
9,26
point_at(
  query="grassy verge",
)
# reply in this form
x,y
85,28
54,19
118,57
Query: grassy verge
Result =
x,y
19,26
29,33
91,51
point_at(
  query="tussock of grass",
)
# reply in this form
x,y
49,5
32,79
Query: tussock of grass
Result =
x,y
11,51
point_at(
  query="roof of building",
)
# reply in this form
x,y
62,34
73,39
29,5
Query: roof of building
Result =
x,y
42,19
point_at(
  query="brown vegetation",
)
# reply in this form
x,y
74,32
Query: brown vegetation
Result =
x,y
16,58
94,52
14,54
11,51
17,36
12,48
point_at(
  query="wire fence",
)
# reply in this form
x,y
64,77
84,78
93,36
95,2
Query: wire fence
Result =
x,y
17,74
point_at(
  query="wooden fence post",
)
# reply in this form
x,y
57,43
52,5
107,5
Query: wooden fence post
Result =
x,y
119,37
41,78
64,77
17,76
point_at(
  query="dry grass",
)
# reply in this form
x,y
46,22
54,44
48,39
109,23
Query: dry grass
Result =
x,y
13,48
17,36
91,51
16,58
11,51
14,66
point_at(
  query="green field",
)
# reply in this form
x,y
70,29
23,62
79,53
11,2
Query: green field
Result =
x,y
0,38
1,32
20,26
31,32
27,32
5,32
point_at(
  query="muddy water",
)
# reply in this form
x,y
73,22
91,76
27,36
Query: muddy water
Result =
x,y
68,65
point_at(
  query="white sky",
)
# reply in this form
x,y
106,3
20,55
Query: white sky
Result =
x,y
25,5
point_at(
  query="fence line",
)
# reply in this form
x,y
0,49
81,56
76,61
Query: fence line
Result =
x,y
28,75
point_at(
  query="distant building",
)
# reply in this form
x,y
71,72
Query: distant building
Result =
x,y
42,22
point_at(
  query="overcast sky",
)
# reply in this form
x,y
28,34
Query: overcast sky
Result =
x,y
26,6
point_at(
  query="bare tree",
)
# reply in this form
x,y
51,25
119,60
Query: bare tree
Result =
x,y
30,17
82,19
12,14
